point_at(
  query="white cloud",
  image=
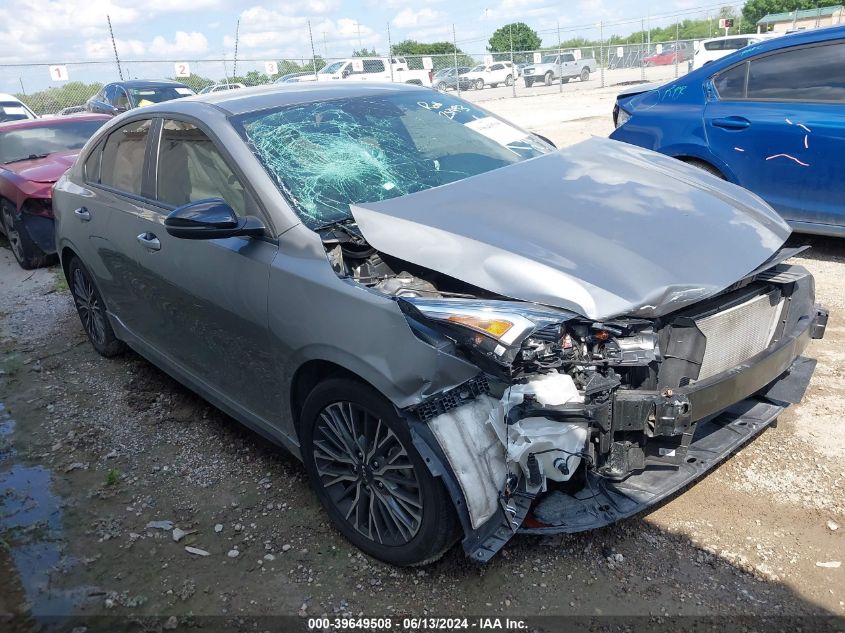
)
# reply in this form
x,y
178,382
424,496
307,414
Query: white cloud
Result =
x,y
102,48
183,44
408,18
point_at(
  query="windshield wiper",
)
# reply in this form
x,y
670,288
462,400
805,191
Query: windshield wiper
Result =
x,y
30,157
342,225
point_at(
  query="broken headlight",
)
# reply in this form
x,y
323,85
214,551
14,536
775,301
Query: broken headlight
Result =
x,y
497,329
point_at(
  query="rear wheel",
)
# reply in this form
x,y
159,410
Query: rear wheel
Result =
x,y
479,84
92,311
372,482
441,86
509,80
585,74
547,78
26,252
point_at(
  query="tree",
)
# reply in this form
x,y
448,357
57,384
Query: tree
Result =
x,y
365,52
53,99
412,47
524,38
754,10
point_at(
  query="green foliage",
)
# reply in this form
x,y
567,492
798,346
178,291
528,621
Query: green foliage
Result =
x,y
412,47
754,10
195,82
524,38
55,98
365,52
112,476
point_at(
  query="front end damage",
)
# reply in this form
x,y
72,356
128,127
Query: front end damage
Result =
x,y
573,424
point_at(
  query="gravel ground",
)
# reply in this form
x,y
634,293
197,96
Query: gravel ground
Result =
x,y
94,452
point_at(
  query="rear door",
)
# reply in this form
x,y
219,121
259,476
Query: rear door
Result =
x,y
205,301
778,121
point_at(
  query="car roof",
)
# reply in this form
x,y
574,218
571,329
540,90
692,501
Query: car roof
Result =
x,y
8,97
62,120
147,83
278,95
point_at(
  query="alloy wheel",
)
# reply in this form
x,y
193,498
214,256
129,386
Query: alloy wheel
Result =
x,y
89,307
11,232
367,474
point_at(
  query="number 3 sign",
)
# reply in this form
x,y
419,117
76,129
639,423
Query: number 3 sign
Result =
x,y
58,73
183,69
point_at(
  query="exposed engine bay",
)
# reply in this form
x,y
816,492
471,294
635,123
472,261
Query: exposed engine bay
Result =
x,y
562,405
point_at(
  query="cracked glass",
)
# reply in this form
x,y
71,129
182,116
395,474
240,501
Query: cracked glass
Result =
x,y
325,156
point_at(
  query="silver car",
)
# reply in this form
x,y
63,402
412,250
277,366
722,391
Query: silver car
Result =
x,y
355,272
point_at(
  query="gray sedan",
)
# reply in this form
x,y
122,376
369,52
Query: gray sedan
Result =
x,y
355,272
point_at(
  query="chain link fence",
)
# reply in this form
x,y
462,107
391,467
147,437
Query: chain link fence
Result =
x,y
64,88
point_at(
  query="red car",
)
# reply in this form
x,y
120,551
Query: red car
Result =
x,y
666,58
33,156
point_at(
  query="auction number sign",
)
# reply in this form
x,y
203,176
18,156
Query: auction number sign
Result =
x,y
58,73
271,68
182,69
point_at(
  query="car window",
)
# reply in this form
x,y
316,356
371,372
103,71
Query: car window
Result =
x,y
110,94
123,157
92,165
12,111
813,73
730,84
568,57
121,100
191,168
496,67
373,66
46,138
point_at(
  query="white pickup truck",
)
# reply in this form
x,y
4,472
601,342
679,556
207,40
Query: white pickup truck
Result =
x,y
374,69
554,67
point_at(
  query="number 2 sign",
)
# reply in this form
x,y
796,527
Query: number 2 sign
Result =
x,y
58,73
183,69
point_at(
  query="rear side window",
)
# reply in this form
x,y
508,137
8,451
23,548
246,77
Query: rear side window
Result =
x,y
123,157
190,168
802,74
731,83
726,45
92,165
373,66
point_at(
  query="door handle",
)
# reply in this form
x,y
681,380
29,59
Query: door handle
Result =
x,y
732,123
83,214
149,241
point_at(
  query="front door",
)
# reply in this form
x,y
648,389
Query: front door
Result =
x,y
778,121
204,302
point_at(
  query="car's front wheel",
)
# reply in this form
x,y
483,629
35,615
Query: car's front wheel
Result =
x,y
479,84
369,477
92,311
585,74
25,250
547,79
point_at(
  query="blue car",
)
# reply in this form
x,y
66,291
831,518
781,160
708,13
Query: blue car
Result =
x,y
769,117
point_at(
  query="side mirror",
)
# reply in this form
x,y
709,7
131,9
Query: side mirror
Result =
x,y
211,219
543,138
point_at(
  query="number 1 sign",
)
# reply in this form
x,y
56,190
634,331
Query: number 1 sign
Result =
x,y
58,73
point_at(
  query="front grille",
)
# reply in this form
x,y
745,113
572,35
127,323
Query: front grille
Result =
x,y
738,333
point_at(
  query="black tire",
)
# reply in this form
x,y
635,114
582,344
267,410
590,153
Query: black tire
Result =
x,y
547,78
441,86
705,166
479,84
402,538
92,311
529,82
25,250
509,81
585,74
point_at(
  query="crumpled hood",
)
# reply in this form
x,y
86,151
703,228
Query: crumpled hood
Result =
x,y
47,169
602,228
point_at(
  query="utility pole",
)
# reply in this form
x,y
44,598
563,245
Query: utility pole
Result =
x,y
513,68
114,46
313,54
23,92
235,60
601,51
559,54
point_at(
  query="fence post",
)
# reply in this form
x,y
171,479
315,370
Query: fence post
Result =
x,y
513,79
313,54
455,51
677,49
559,65
601,51
642,46
389,52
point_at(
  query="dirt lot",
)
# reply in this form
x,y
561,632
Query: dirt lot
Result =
x,y
93,450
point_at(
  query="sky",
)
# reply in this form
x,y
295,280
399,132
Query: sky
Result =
x,y
63,31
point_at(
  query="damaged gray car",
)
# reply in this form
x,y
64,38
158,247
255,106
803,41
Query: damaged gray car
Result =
x,y
356,273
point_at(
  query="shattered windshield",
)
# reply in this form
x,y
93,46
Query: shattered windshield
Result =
x,y
327,155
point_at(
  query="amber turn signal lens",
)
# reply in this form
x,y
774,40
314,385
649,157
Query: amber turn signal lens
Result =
x,y
496,328
601,335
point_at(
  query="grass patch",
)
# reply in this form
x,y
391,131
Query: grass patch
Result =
x,y
11,365
61,282
112,476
